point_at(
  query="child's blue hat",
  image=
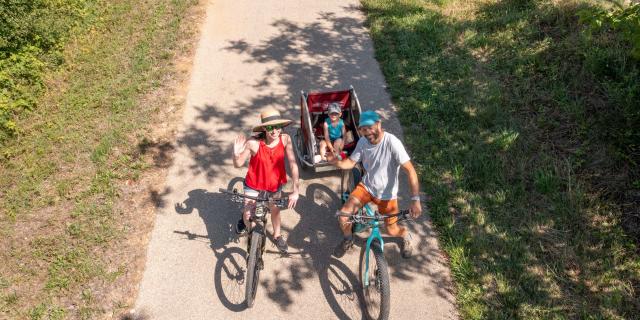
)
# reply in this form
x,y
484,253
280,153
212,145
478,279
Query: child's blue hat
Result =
x,y
368,118
334,108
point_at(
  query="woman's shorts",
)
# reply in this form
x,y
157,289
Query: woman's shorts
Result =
x,y
254,193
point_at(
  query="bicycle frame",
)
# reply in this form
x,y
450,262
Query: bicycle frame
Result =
x,y
375,234
259,219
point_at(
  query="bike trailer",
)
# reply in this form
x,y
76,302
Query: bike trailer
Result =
x,y
313,112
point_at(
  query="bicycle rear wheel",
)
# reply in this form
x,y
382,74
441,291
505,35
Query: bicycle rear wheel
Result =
x,y
377,293
349,181
253,268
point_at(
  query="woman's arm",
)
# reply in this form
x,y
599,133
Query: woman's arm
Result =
x,y
293,165
242,149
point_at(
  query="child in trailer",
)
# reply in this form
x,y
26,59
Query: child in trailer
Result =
x,y
334,132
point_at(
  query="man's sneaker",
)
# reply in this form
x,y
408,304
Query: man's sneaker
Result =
x,y
281,244
343,247
241,228
406,249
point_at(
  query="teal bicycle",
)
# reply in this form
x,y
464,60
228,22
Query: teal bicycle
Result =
x,y
373,273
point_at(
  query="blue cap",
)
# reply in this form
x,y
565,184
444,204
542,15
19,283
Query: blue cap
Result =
x,y
368,118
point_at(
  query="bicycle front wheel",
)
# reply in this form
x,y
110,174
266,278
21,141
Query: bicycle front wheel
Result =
x,y
375,291
253,268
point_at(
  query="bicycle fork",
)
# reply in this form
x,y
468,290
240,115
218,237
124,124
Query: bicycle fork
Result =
x,y
260,231
375,234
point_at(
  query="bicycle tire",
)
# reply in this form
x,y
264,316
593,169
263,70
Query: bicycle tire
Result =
x,y
350,179
300,153
253,270
375,309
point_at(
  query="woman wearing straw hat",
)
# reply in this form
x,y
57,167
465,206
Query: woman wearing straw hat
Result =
x,y
267,151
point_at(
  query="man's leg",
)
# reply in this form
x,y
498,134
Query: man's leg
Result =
x,y
356,200
350,207
394,229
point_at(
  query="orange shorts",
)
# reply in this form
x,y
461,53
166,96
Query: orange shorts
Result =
x,y
384,206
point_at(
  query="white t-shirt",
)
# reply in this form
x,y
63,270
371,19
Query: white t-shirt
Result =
x,y
381,163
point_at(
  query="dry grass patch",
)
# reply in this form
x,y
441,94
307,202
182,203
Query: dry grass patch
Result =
x,y
76,212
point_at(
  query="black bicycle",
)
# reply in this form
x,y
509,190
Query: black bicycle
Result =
x,y
257,237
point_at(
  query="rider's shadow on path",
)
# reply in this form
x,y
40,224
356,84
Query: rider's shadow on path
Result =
x,y
219,215
313,237
311,242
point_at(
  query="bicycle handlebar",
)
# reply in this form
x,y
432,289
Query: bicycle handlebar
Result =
x,y
278,201
403,215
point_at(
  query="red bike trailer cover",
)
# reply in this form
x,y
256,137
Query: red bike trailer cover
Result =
x,y
319,101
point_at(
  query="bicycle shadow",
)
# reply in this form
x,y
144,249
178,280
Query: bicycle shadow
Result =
x,y
315,235
219,215
341,288
230,275
311,242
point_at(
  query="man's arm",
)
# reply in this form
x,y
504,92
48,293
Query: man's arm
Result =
x,y
414,187
344,164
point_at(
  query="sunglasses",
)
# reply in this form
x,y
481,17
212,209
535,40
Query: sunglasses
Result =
x,y
274,127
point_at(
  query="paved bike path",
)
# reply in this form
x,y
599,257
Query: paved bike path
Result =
x,y
253,55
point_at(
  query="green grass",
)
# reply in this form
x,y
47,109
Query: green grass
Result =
x,y
60,176
32,35
514,117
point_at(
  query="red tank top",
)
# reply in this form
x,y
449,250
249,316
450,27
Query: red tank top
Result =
x,y
266,168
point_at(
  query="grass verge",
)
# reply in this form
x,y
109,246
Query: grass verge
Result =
x,y
63,228
512,114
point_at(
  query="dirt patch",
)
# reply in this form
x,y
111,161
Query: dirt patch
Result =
x,y
137,202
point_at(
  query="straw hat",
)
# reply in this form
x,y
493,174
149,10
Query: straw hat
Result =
x,y
270,117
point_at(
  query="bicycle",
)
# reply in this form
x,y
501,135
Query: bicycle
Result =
x,y
256,238
376,290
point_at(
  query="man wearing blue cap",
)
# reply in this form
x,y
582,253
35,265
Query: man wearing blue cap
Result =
x,y
381,154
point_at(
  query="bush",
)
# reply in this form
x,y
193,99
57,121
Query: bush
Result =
x,y
624,20
32,33
615,61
